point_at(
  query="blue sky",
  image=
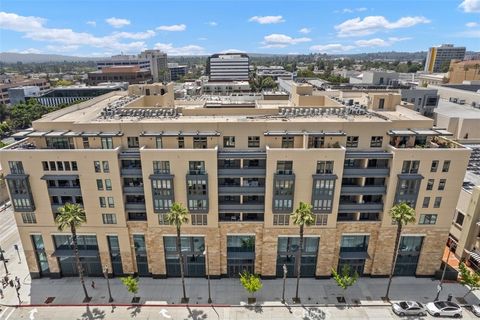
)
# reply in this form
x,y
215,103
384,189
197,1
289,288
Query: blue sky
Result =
x,y
104,27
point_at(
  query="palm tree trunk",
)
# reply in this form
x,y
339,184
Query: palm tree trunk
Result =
x,y
394,259
180,258
77,260
299,262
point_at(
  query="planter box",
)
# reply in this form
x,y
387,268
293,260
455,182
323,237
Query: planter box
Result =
x,y
252,300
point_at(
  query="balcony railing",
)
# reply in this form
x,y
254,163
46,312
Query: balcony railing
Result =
x,y
360,207
365,172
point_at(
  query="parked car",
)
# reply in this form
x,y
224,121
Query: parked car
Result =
x,y
444,308
409,308
475,308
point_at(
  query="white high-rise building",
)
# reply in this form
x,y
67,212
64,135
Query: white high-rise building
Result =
x,y
228,67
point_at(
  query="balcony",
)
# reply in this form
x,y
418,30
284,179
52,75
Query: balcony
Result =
x,y
133,189
131,171
135,205
241,207
422,139
240,217
365,172
57,206
137,216
65,191
367,154
240,190
242,172
360,207
369,189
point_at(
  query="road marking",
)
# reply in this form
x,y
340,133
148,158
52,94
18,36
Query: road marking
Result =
x,y
9,314
163,312
32,313
1,314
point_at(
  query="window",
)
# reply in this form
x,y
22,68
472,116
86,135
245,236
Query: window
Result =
x,y
254,142
53,166
288,142
321,219
229,142
430,184
160,167
352,142
158,143
59,143
427,219
284,167
45,165
16,167
108,184
410,166
446,166
441,184
281,219
86,143
376,141
199,142
96,165
434,166
381,103
282,204
438,202
426,202
459,219
109,218
162,219
316,142
199,219
324,167
196,167
111,203
132,142
106,167
162,205
29,217
197,205
99,184
102,201
66,164
181,142
107,143
60,165
74,166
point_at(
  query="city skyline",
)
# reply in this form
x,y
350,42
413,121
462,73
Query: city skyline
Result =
x,y
206,27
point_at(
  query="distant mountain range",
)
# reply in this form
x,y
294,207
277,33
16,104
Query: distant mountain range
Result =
x,y
14,57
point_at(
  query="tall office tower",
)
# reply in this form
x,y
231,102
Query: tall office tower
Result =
x,y
228,67
158,64
438,57
240,169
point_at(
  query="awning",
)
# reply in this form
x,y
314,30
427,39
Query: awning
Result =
x,y
284,133
160,176
111,134
38,133
179,133
354,255
90,134
325,133
14,176
55,133
60,177
70,253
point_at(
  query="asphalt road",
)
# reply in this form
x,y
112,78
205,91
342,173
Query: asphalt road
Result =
x,y
8,237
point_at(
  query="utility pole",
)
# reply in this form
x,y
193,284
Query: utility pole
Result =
x,y
208,274
105,273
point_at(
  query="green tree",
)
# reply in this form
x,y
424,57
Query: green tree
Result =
x,y
402,214
268,83
72,216
346,278
177,216
131,284
302,217
445,66
3,112
469,278
250,282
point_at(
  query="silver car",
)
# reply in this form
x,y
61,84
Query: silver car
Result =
x,y
409,308
475,309
444,308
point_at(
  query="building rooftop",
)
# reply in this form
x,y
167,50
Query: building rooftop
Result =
x,y
465,87
472,176
455,110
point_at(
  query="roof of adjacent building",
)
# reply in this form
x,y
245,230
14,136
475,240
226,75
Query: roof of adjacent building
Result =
x,y
455,110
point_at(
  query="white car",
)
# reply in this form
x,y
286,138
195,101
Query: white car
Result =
x,y
475,309
409,308
444,308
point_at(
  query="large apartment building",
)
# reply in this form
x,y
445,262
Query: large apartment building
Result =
x,y
241,170
228,67
439,57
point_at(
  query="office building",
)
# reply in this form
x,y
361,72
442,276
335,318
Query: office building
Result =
x,y
375,77
241,170
72,94
275,72
129,74
123,61
158,64
42,84
22,94
177,71
217,87
228,67
424,100
440,57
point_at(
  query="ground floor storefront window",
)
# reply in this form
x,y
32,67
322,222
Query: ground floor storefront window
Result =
x,y
240,255
287,253
408,255
353,252
39,247
192,249
88,252
141,254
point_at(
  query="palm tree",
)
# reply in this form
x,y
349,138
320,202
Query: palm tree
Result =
x,y
402,214
73,216
302,217
177,216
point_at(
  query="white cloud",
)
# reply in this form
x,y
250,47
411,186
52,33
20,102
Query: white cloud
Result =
x,y
267,19
331,48
377,42
471,24
305,30
173,27
70,48
134,35
31,50
351,10
189,50
14,22
470,5
92,23
117,22
282,39
34,28
372,24
232,51
212,24
277,45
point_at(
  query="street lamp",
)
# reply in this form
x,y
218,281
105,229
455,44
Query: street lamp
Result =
x,y
2,257
284,279
105,273
205,253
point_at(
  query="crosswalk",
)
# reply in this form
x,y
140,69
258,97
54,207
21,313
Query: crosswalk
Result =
x,y
6,313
